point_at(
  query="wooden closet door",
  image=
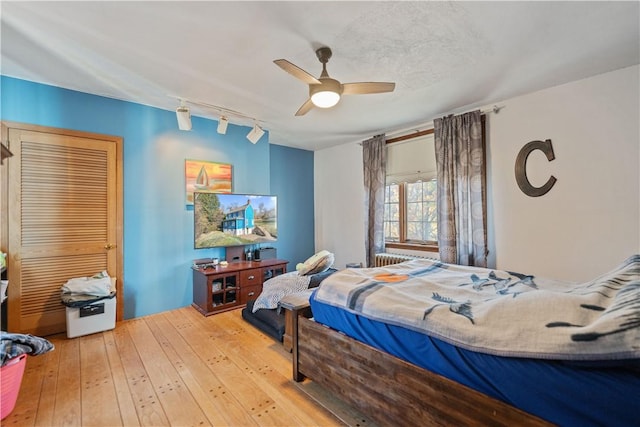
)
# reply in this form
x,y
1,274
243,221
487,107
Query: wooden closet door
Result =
x,y
65,221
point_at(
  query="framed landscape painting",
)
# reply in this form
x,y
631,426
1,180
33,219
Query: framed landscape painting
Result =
x,y
206,177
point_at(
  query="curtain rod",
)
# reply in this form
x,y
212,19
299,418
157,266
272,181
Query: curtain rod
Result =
x,y
417,132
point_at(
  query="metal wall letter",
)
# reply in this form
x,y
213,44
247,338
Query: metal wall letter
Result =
x,y
521,168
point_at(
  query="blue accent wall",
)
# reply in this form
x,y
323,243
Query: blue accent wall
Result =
x,y
158,227
292,180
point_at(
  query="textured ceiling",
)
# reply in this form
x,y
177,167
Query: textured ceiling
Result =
x,y
444,56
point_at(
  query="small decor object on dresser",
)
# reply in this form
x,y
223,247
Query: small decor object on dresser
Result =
x,y
205,262
265,253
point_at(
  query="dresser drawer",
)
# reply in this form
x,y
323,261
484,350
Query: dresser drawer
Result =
x,y
248,293
251,277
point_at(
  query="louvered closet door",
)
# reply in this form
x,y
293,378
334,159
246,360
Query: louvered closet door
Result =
x,y
63,213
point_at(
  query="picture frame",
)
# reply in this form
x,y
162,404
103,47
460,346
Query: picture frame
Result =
x,y
206,177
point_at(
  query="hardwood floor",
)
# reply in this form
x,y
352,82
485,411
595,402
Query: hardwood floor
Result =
x,y
175,368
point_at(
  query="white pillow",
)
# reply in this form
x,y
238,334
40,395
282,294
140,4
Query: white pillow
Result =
x,y
317,263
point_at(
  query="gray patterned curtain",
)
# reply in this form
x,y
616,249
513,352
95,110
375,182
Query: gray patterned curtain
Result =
x,y
374,156
460,160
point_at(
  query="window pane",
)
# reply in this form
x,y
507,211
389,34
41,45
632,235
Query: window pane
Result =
x,y
430,212
431,232
414,192
392,213
414,211
430,192
391,231
422,220
392,193
414,230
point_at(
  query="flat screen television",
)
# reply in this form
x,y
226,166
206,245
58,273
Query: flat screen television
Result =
x,y
223,220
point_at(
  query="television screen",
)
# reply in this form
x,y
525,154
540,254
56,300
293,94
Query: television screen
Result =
x,y
222,219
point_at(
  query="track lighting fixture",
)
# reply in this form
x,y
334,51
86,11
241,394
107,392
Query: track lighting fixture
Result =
x,y
222,125
255,134
184,117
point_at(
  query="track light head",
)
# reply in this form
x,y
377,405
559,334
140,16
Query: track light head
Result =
x,y
222,125
255,134
184,117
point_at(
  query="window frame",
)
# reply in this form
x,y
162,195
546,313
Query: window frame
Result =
x,y
402,243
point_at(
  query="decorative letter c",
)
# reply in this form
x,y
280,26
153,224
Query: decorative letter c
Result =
x,y
521,168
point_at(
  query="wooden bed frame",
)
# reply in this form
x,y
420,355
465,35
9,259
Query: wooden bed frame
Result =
x,y
391,391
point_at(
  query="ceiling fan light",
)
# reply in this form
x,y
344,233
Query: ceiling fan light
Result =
x,y
325,99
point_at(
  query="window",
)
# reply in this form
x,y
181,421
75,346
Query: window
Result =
x,y
410,214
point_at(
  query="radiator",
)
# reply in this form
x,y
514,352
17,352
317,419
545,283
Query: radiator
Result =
x,y
383,259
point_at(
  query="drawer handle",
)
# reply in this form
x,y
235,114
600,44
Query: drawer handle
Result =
x,y
251,277
251,294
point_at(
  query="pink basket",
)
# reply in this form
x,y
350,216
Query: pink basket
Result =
x,y
11,375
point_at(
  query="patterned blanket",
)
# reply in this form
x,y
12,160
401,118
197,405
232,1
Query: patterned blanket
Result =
x,y
276,288
14,345
500,312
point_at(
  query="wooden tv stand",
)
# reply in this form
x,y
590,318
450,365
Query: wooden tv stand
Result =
x,y
218,289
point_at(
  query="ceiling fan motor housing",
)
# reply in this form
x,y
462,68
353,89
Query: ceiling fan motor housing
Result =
x,y
324,54
328,84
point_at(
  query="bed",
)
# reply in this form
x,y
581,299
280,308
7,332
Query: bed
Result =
x,y
555,353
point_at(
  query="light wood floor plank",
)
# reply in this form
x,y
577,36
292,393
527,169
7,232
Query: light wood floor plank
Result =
x,y
312,394
221,408
174,396
148,408
265,367
126,405
251,356
175,368
97,384
209,340
47,400
68,409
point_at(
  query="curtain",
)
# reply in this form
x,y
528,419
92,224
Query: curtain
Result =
x,y
374,156
461,171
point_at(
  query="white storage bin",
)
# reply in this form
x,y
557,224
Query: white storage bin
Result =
x,y
95,317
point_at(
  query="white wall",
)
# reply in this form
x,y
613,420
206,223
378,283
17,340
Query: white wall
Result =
x,y
590,220
339,203
587,224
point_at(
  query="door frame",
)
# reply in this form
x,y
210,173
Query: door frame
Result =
x,y
4,197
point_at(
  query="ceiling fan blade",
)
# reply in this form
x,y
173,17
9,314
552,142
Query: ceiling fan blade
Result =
x,y
296,72
364,88
305,108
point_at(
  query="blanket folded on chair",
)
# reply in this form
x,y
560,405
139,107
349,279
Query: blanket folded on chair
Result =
x,y
500,312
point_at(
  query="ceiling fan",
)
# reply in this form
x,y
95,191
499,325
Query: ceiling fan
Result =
x,y
325,92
